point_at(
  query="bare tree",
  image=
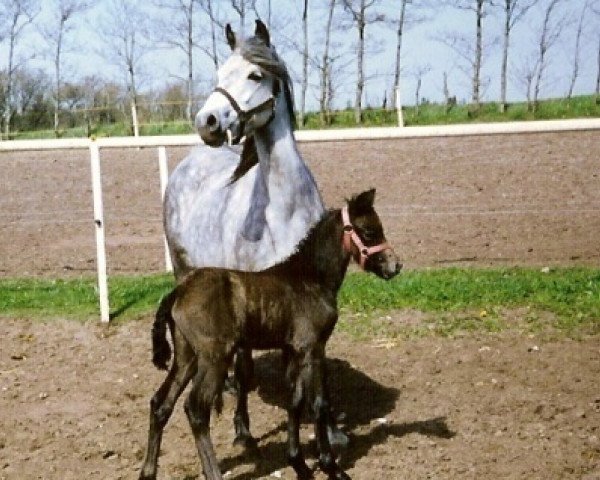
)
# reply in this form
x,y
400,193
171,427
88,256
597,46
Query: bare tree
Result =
x,y
212,51
401,24
55,33
361,15
325,77
598,75
18,14
399,35
123,30
464,47
304,63
242,7
418,74
577,51
179,29
525,74
550,32
514,11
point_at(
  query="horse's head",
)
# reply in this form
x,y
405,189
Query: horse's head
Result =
x,y
364,237
249,83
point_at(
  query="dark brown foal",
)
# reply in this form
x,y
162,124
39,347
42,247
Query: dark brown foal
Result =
x,y
291,306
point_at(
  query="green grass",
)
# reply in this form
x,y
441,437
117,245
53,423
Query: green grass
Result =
x,y
474,299
451,299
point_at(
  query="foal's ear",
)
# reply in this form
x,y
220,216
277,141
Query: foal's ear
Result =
x,y
262,33
230,36
364,200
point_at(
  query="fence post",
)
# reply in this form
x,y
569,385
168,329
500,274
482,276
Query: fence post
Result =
x,y
99,225
164,176
399,106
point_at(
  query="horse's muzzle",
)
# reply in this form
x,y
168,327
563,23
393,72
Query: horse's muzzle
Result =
x,y
212,138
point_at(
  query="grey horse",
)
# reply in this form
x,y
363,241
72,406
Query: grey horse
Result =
x,y
243,208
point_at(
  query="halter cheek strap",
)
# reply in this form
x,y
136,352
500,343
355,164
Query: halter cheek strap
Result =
x,y
245,115
350,236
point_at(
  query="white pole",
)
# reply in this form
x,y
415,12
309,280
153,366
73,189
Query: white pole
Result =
x,y
164,175
134,118
99,223
399,106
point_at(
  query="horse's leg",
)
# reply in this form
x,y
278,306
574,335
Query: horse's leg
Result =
x,y
294,375
322,411
207,387
163,401
243,373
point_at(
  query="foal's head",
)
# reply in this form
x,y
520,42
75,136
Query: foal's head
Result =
x,y
364,237
248,85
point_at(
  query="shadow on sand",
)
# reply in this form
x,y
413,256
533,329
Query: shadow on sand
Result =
x,y
362,401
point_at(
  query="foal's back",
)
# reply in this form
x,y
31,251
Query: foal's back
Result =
x,y
259,310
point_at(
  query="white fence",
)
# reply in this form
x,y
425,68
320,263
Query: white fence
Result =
x,y
161,142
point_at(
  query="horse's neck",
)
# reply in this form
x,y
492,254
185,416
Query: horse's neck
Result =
x,y
281,165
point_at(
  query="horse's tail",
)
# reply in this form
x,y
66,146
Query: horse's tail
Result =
x,y
161,350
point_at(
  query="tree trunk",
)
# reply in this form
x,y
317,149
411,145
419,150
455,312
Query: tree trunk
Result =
x,y
399,35
503,74
304,63
326,68
598,76
57,78
478,56
575,71
213,35
190,59
417,96
9,86
360,82
543,49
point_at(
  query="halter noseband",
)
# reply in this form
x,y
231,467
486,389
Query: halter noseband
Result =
x,y
350,236
245,115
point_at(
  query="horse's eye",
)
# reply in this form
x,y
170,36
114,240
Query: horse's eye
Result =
x,y
257,77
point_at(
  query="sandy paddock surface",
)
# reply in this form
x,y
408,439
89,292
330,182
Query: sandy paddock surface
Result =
x,y
487,200
74,402
74,397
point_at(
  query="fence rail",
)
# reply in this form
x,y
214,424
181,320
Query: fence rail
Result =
x,y
371,133
161,142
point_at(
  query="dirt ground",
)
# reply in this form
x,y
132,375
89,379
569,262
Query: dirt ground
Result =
x,y
526,199
74,397
74,402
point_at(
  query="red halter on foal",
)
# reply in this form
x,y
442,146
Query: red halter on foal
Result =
x,y
350,236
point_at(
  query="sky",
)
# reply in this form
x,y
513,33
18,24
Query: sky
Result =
x,y
421,49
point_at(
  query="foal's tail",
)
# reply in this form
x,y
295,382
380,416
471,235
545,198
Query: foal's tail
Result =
x,y
161,350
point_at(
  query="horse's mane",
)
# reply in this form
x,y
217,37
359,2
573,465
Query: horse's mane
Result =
x,y
255,51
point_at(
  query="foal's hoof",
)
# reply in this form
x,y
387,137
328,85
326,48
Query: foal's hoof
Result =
x,y
143,476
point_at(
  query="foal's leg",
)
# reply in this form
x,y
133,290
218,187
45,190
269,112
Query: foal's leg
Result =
x,y
163,402
208,385
295,408
243,373
322,411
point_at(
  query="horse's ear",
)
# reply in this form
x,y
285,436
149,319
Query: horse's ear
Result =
x,y
262,32
230,36
363,201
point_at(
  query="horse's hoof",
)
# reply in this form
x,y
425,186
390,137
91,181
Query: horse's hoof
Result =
x,y
247,442
338,440
340,476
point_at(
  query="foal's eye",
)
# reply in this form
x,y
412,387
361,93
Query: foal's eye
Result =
x,y
257,77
